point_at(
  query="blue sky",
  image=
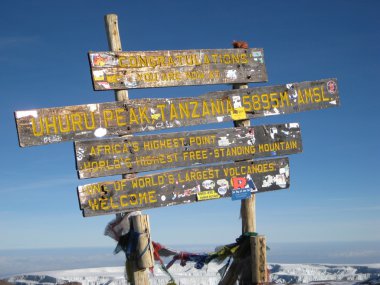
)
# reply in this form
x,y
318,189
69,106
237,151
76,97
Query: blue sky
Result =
x,y
334,193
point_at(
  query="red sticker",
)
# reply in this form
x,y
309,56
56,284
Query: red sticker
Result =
x,y
331,87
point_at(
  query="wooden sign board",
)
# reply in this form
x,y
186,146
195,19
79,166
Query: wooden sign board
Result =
x,y
183,186
44,126
121,155
142,69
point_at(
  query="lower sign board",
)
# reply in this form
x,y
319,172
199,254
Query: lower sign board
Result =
x,y
44,126
183,186
133,154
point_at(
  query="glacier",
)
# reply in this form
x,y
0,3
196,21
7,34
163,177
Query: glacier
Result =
x,y
188,275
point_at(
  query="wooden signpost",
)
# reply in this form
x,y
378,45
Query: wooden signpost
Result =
x,y
52,125
108,147
183,186
142,69
123,155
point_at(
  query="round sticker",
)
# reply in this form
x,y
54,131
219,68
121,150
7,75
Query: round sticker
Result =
x,y
222,190
222,182
208,184
100,132
331,87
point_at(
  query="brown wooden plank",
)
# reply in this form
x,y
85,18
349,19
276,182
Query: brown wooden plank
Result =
x,y
144,69
96,158
44,126
183,186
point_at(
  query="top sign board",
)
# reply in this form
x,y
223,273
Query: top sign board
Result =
x,y
144,69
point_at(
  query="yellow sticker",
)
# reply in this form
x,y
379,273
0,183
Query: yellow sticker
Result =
x,y
98,75
207,195
238,114
155,116
99,61
113,78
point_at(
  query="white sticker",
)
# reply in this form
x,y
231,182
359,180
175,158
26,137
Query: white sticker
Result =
x,y
293,95
92,107
268,181
223,141
231,74
289,86
52,139
100,132
222,182
80,154
272,112
280,180
293,125
130,84
236,101
98,75
251,136
222,190
273,131
257,54
208,184
22,114
285,170
105,85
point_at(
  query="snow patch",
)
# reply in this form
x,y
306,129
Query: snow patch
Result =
x,y
280,273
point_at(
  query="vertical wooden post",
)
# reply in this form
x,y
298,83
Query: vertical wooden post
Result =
x,y
136,268
248,206
247,209
114,44
144,246
259,259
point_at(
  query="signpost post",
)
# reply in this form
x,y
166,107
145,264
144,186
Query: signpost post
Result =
x,y
138,267
248,206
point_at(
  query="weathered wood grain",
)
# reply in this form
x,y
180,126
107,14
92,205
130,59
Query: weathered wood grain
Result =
x,y
144,69
44,126
248,205
183,186
96,158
